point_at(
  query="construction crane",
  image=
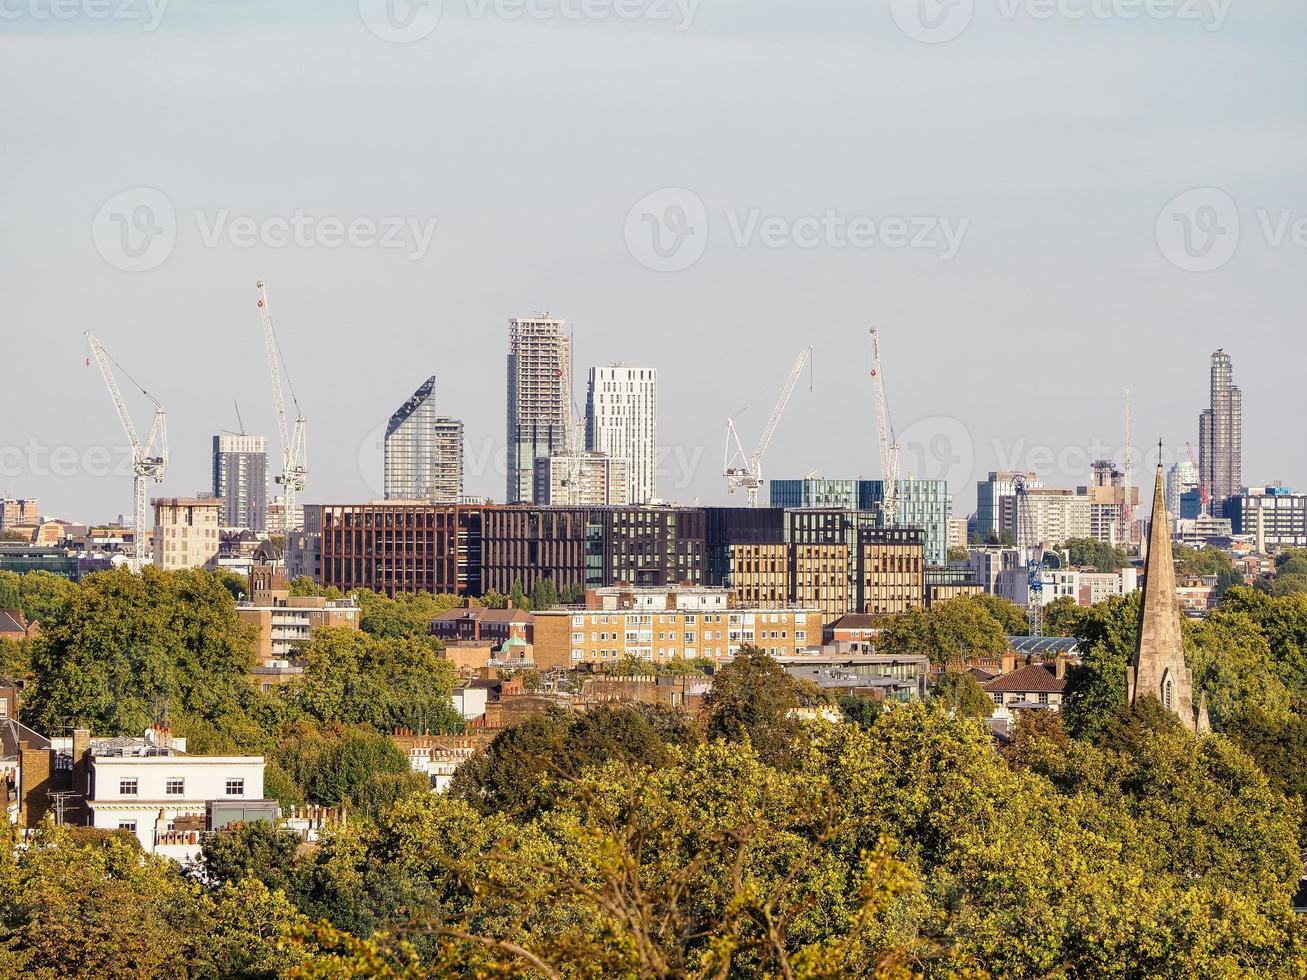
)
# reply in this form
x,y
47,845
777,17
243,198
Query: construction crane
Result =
x,y
294,462
889,448
149,459
745,471
1033,556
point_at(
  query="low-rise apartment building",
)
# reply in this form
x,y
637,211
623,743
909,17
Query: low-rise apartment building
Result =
x,y
570,637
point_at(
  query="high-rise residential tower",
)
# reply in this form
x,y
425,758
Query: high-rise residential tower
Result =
x,y
240,479
539,398
621,419
1220,436
424,451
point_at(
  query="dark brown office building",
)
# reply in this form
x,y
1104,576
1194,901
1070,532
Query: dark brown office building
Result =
x,y
591,547
402,547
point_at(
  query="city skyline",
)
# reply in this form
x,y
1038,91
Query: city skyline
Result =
x,y
1060,292
489,459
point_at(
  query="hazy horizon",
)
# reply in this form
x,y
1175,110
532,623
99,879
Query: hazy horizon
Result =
x,y
1036,213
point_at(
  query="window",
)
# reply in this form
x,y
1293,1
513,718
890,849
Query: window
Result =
x,y
127,786
235,787
174,786
129,825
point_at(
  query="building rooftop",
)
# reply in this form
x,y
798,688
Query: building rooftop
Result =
x,y
1033,678
1044,646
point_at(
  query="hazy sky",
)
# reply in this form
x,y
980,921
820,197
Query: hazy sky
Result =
x,y
997,189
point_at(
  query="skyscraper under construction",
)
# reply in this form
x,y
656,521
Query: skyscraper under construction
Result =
x,y
539,398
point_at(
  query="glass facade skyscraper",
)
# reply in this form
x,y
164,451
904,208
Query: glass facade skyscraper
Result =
x,y
424,451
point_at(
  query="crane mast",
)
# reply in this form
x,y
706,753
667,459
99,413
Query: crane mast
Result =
x,y
149,459
294,464
745,472
889,449
1033,555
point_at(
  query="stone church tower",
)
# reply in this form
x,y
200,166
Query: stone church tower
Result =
x,y
1159,668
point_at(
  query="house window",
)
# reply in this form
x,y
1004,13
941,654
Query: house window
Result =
x,y
1043,698
129,825
235,787
174,786
127,786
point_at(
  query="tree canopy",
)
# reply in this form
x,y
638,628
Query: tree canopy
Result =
x,y
947,632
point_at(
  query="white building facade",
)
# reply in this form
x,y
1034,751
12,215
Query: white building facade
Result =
x,y
621,419
145,794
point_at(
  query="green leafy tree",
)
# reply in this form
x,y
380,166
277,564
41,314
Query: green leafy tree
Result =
x,y
352,677
1233,666
355,766
959,693
859,710
1098,555
1063,617
1009,615
947,633
1201,561
519,772
305,587
127,650
517,597
544,595
753,697
406,615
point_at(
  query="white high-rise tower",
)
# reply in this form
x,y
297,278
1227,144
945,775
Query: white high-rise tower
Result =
x,y
621,419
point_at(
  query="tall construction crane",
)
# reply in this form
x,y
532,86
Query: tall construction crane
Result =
x,y
889,448
1032,554
149,459
294,462
745,471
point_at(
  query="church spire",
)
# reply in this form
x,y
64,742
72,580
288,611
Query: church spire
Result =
x,y
1159,668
